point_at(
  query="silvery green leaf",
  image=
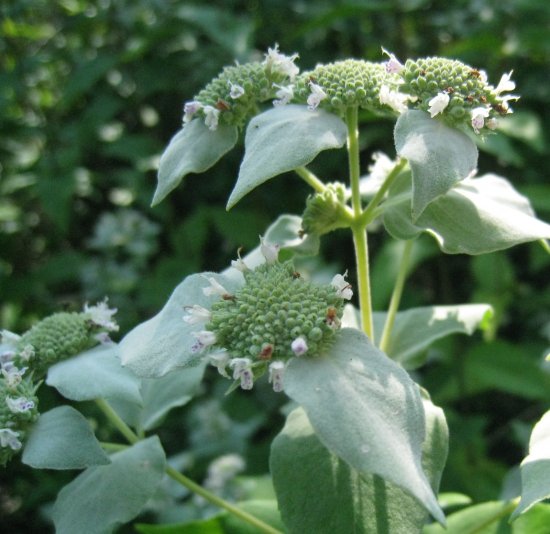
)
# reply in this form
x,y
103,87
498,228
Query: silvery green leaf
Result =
x,y
164,342
367,411
103,497
477,216
95,374
535,468
282,139
195,148
63,439
319,492
439,156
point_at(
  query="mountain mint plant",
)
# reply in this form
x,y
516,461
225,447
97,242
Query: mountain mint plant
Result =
x,y
363,447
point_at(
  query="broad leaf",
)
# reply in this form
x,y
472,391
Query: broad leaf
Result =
x,y
493,518
160,395
535,468
439,156
477,216
95,374
416,329
365,409
282,139
212,525
195,148
319,492
103,497
63,439
163,343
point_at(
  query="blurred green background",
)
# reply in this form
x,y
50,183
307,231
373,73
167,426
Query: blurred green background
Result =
x,y
92,91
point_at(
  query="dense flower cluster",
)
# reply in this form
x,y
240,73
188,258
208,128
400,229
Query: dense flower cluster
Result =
x,y
276,315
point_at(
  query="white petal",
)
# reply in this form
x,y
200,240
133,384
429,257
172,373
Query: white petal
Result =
x,y
438,103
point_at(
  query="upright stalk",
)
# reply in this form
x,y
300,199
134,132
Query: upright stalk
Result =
x,y
132,438
396,295
359,230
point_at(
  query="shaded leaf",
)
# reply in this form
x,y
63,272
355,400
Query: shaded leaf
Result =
x,y
103,497
439,156
195,148
282,139
63,439
366,410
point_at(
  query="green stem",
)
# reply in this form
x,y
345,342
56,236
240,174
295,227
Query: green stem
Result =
x,y
128,433
396,295
113,447
119,424
369,214
310,179
359,230
218,501
501,514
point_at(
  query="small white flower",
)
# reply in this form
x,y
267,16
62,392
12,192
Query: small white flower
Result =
x,y
438,103
343,288
394,99
103,338
211,117
220,360
235,91
478,118
316,96
215,288
13,376
242,369
19,405
8,438
393,65
269,252
189,110
505,83
28,352
275,61
204,338
196,314
276,371
239,264
492,124
284,95
101,315
299,346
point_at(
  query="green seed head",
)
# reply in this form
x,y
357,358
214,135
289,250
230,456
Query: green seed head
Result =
x,y
323,211
273,309
348,83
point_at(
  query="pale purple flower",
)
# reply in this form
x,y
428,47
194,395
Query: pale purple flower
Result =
x,y
284,95
438,103
196,314
211,117
101,315
220,360
393,99
316,96
8,438
204,339
276,371
299,346
189,110
478,118
270,252
235,91
343,288
19,405
393,65
276,62
242,369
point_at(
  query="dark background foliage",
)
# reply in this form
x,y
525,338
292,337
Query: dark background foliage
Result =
x,y
90,94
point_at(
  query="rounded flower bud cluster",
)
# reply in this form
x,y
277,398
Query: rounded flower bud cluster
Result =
x,y
456,92
323,211
343,84
18,411
274,316
61,336
232,97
